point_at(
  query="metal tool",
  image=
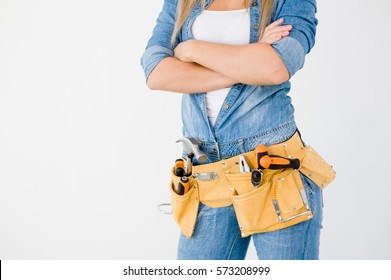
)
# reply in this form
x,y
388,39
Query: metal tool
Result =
x,y
256,173
284,220
277,209
243,166
161,209
191,148
207,176
256,177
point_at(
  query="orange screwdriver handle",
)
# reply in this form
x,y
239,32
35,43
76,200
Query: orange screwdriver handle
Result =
x,y
266,161
278,162
260,152
179,168
183,186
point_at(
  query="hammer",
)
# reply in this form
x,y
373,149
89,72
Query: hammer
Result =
x,y
190,146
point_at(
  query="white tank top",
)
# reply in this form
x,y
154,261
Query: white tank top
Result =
x,y
224,27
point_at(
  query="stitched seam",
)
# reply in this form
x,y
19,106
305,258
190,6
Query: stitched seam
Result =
x,y
310,199
232,247
249,138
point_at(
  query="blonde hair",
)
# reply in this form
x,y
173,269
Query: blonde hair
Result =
x,y
185,7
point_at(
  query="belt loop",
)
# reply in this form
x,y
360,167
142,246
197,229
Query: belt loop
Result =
x,y
240,141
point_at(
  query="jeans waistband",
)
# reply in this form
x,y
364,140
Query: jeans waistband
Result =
x,y
218,151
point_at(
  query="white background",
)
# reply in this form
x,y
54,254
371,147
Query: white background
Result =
x,y
85,147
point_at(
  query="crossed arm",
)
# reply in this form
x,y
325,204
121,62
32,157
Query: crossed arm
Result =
x,y
199,66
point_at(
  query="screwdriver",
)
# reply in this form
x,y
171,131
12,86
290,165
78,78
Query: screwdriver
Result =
x,y
179,168
179,171
183,186
266,161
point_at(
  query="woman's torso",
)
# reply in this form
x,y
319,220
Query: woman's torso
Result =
x,y
230,27
249,114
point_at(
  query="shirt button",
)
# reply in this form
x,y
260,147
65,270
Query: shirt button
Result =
x,y
226,106
255,3
215,151
256,26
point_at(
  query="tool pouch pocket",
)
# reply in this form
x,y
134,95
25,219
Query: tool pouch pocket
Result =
x,y
279,202
316,168
185,207
241,182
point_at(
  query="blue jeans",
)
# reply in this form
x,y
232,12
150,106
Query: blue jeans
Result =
x,y
217,235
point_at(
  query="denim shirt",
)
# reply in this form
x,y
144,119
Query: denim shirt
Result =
x,y
250,114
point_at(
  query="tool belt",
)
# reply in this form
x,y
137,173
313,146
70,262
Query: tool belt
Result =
x,y
279,202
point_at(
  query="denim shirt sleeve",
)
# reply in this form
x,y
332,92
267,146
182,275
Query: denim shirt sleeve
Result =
x,y
159,45
293,48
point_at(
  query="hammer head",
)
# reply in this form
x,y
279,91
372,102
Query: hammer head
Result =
x,y
190,146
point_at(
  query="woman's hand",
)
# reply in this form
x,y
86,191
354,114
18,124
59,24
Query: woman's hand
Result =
x,y
184,49
273,32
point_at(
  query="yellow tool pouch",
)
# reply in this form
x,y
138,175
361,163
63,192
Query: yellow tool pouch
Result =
x,y
279,202
315,167
184,207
